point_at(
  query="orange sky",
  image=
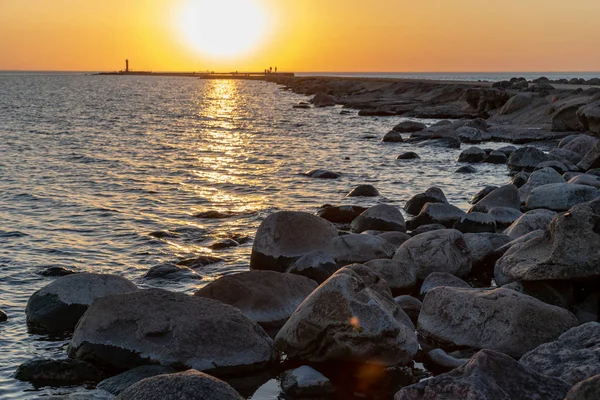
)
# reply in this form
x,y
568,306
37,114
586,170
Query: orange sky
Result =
x,y
307,35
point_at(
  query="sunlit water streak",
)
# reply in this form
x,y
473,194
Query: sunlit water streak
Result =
x,y
91,165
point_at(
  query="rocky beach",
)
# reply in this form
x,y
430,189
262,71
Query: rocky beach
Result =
x,y
368,297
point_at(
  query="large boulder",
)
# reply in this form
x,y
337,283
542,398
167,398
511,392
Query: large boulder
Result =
x,y
323,100
437,213
538,178
188,385
499,319
439,279
588,389
564,154
382,217
400,276
487,376
432,195
392,137
504,196
359,248
573,357
526,159
565,118
579,144
516,103
529,222
155,326
285,236
560,196
568,250
436,251
409,127
482,245
57,307
317,265
266,297
589,117
350,317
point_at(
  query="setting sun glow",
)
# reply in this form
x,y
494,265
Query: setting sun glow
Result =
x,y
222,28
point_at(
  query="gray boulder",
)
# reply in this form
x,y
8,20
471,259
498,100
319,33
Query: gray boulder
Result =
x,y
392,137
565,154
438,279
155,326
171,272
118,383
589,117
530,221
476,222
350,317
417,202
47,372
188,385
359,248
519,179
316,265
558,166
436,251
400,276
305,382
504,196
470,134
266,297
487,376
437,213
591,159
482,245
382,217
477,197
496,157
409,127
500,319
58,306
588,389
580,144
560,196
504,216
472,155
565,118
526,159
285,236
410,305
539,178
408,155
573,357
395,238
516,103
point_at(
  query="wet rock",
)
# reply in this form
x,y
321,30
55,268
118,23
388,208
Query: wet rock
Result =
x,y
436,251
3,316
469,134
363,191
155,326
520,179
316,265
589,117
359,248
409,127
499,319
588,389
382,217
565,154
409,155
56,271
558,166
481,194
539,178
188,385
438,279
573,357
432,195
579,144
526,159
322,174
323,100
530,221
504,216
400,276
516,103
266,297
476,222
496,157
285,236
57,307
465,169
591,159
560,196
410,305
482,245
350,317
446,142
223,244
199,262
118,383
392,137
395,238
488,375
427,228
340,214
586,179
507,150
171,271
472,155
504,196
214,214
46,372
437,213
305,382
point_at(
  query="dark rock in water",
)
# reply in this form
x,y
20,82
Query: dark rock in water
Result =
x,y
154,326
199,262
573,357
496,157
360,248
363,191
472,155
378,112
171,271
3,316
507,150
466,169
322,174
56,271
526,159
350,317
529,222
427,228
476,222
305,382
409,127
448,142
340,214
317,266
409,155
520,179
188,385
588,389
323,100
468,134
285,236
214,214
410,305
591,159
504,196
482,193
589,117
223,244
560,196
163,235
499,319
487,376
382,217
116,384
301,105
437,213
432,195
400,276
392,137
438,279
266,297
57,307
504,216
436,251
46,372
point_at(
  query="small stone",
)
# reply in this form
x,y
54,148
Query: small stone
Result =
x,y
409,155
322,174
496,157
363,191
318,266
46,372
465,169
472,155
392,137
56,271
3,316
118,383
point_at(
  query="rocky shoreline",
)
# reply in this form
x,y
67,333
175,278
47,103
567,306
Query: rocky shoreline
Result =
x,y
500,301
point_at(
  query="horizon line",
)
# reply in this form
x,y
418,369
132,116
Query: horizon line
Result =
x,y
319,72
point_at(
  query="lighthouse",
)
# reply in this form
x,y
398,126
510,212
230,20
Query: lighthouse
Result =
x,y
126,65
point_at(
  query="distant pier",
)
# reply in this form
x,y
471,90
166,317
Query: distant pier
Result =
x,y
257,76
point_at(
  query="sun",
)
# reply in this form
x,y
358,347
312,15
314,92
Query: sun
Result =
x,y
222,28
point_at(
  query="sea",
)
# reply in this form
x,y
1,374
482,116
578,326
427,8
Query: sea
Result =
x,y
92,167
